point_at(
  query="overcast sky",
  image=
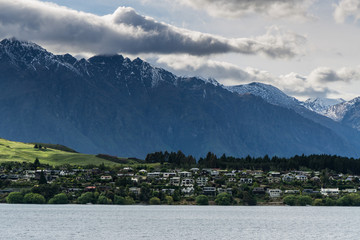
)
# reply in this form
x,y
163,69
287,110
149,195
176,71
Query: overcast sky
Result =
x,y
307,48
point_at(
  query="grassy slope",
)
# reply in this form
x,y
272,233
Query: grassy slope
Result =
x,y
25,152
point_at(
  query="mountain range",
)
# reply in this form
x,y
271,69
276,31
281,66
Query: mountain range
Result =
x,y
111,104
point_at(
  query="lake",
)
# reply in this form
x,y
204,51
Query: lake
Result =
x,y
177,222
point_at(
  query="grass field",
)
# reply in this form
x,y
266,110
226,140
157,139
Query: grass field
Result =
x,y
25,152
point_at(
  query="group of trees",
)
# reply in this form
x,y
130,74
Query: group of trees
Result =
x,y
351,199
175,159
313,162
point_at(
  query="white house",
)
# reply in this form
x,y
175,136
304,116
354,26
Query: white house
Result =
x,y
202,181
274,193
329,191
187,182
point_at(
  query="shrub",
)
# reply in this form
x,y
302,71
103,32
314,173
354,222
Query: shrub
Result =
x,y
304,200
169,200
104,200
154,201
202,200
34,198
60,198
223,199
123,201
290,200
15,197
318,202
86,198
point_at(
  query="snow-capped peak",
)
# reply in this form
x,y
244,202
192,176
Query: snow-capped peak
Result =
x,y
338,111
321,105
267,92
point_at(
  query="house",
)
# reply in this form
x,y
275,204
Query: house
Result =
x,y
301,178
308,191
187,182
209,191
202,181
175,181
274,174
135,190
188,191
214,173
106,178
232,179
292,192
258,190
231,175
349,190
329,191
153,175
194,170
274,193
246,180
274,179
185,174
288,178
90,188
169,174
142,171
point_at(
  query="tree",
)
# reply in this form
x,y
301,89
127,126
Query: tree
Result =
x,y
36,163
60,198
123,200
154,201
34,198
42,179
223,199
304,200
169,200
15,197
202,200
86,198
249,199
104,200
290,200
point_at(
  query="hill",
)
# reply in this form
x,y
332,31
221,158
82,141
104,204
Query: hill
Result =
x,y
25,152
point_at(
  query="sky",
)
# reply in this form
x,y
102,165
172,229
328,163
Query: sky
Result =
x,y
306,48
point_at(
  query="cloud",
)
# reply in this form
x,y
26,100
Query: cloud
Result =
x,y
323,75
320,82
345,9
239,8
126,31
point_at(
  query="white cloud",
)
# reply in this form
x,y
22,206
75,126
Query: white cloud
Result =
x,y
297,9
321,82
126,31
345,9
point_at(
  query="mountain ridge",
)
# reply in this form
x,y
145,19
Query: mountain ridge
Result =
x,y
110,104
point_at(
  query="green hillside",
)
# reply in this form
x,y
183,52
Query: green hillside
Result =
x,y
25,152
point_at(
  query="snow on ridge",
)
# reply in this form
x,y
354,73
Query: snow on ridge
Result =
x,y
338,111
321,105
267,92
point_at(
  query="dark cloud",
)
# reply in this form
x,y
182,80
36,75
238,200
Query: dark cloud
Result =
x,y
126,31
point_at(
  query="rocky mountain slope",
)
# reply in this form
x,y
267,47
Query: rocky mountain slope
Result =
x,y
113,105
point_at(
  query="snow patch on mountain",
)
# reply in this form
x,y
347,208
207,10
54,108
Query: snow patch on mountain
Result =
x,y
321,105
338,111
267,92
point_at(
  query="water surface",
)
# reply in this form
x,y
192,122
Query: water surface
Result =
x,y
177,222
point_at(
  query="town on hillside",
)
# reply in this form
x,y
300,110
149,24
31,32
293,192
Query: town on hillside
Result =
x,y
164,183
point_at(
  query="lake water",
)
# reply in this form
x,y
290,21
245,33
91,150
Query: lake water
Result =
x,y
177,222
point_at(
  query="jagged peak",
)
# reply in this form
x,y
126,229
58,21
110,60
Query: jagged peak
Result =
x,y
21,44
